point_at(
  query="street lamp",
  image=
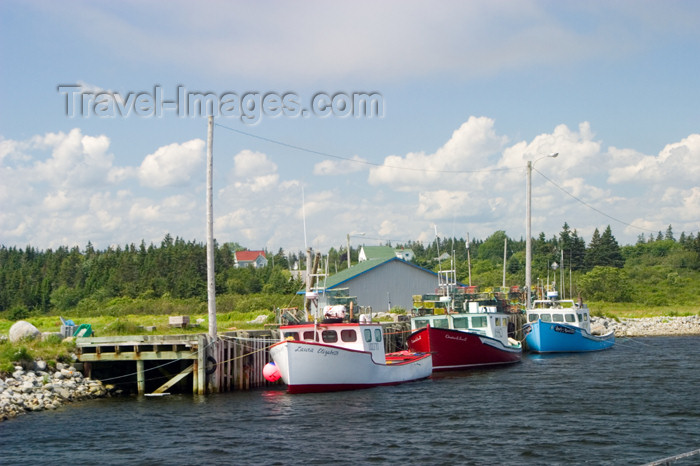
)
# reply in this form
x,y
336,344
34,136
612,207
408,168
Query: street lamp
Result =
x,y
348,237
528,225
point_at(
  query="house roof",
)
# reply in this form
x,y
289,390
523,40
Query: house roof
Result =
x,y
364,267
248,256
379,252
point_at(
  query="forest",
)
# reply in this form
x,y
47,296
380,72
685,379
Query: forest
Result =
x,y
658,270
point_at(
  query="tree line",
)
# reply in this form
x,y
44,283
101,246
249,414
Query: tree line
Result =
x,y
57,280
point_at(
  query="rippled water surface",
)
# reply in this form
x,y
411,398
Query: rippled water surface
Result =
x,y
636,403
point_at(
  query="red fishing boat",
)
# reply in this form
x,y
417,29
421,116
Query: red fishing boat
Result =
x,y
464,329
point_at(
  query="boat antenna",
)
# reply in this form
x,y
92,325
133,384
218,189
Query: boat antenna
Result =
x,y
303,217
469,261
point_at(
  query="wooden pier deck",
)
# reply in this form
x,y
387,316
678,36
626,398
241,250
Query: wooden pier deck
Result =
x,y
233,361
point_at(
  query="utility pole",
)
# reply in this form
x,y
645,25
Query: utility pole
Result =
x,y
211,277
528,235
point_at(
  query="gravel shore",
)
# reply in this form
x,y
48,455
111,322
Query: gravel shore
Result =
x,y
648,326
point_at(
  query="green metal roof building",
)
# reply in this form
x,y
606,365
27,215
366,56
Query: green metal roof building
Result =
x,y
384,282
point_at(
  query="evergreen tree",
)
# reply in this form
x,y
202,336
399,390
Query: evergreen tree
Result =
x,y
594,252
613,255
669,233
603,250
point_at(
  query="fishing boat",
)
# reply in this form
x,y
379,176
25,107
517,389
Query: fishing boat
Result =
x,y
475,336
464,328
562,326
335,350
323,357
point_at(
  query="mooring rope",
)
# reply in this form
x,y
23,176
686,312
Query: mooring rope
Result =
x,y
673,458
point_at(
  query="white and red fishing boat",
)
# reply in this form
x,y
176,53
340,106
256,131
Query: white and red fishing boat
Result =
x,y
323,357
464,329
337,351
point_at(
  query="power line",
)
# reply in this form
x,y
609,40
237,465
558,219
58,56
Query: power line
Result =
x,y
590,206
348,159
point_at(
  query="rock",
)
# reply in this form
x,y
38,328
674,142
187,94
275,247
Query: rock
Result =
x,y
36,391
261,319
39,365
23,329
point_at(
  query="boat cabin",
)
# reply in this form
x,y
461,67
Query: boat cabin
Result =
x,y
354,336
564,311
484,320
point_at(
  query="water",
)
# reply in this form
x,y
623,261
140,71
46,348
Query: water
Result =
x,y
634,404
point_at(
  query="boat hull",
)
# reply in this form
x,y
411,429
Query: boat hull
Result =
x,y
458,349
553,337
315,367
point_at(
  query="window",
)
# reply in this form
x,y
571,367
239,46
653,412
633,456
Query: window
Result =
x,y
558,317
479,322
461,322
377,335
585,316
580,318
368,335
533,317
291,336
329,336
348,335
310,335
546,317
421,323
570,317
440,323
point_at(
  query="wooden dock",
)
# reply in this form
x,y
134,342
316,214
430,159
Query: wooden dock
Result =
x,y
233,361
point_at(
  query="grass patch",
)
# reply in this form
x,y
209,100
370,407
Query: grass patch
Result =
x,y
52,349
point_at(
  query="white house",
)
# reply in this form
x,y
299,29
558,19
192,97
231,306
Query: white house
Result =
x,y
245,258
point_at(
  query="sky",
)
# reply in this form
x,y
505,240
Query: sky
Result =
x,y
386,121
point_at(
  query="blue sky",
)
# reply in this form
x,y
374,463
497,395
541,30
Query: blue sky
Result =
x,y
470,91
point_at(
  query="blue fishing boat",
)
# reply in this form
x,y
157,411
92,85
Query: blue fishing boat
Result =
x,y
562,326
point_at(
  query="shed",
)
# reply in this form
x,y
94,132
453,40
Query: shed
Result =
x,y
384,283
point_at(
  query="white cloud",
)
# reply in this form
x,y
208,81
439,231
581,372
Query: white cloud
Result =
x,y
173,165
259,173
468,150
677,161
76,159
340,167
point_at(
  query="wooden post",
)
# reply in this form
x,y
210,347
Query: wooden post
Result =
x,y
201,364
195,377
140,377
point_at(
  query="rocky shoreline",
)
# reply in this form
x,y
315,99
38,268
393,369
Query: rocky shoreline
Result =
x,y
648,326
39,389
